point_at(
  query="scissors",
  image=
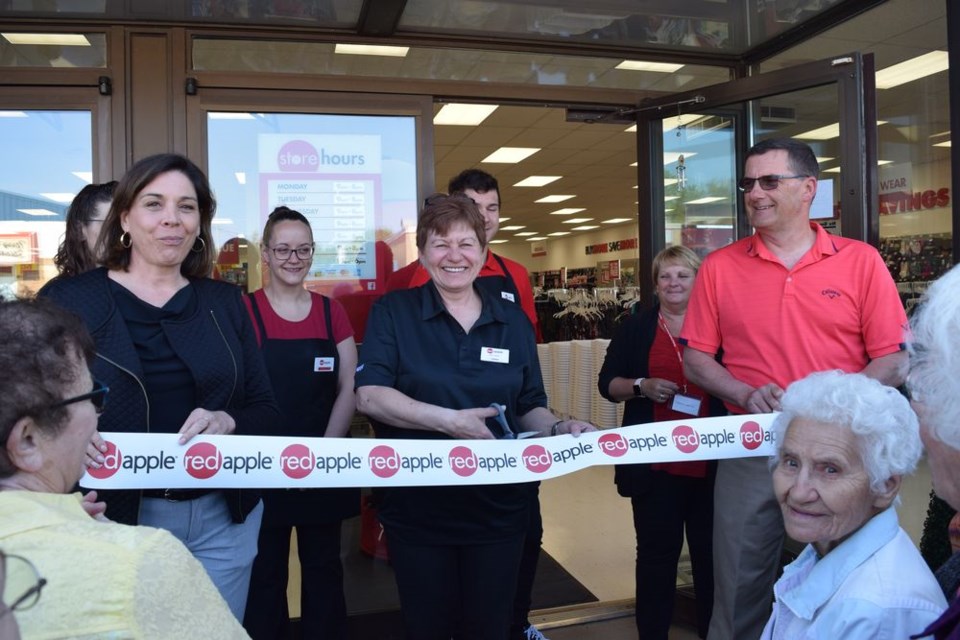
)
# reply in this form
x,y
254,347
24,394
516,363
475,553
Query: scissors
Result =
x,y
508,433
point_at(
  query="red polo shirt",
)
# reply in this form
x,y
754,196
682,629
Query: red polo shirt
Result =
x,y
837,308
414,275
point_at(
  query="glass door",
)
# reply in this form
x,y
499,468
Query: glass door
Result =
x,y
695,143
56,141
355,172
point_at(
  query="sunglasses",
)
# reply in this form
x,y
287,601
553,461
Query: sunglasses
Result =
x,y
767,183
98,396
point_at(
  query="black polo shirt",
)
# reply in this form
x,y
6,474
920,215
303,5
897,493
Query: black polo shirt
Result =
x,y
413,345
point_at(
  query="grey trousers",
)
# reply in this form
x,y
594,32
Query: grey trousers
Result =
x,y
747,542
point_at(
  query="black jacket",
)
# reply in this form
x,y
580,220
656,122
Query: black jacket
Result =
x,y
628,356
218,346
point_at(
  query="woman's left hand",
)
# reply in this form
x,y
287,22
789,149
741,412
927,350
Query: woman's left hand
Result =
x,y
211,423
95,450
574,427
94,509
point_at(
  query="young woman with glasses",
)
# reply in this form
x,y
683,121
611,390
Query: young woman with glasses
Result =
x,y
308,345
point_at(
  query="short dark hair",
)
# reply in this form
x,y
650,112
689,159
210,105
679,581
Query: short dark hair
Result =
x,y
198,264
74,255
41,342
441,211
479,181
282,214
802,159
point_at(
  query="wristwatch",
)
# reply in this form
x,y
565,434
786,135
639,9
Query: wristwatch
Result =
x,y
637,389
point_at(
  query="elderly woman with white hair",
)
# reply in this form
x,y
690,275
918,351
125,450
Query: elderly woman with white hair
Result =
x,y
935,392
844,442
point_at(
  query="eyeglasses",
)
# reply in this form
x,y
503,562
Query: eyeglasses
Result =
x,y
767,183
22,583
98,397
304,252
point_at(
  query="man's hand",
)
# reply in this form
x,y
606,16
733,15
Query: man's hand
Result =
x,y
765,399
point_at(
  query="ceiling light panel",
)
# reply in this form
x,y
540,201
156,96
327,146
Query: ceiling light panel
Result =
x,y
643,65
537,181
464,115
61,39
371,50
510,155
58,197
577,220
553,199
821,133
706,200
567,211
912,69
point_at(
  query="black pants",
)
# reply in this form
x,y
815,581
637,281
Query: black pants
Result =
x,y
523,600
323,610
659,517
463,592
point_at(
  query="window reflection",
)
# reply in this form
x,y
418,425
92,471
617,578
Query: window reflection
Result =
x,y
353,176
61,50
48,158
699,199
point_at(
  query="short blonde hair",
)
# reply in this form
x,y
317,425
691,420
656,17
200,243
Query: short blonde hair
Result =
x,y
675,253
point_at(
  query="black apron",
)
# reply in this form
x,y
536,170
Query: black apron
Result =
x,y
306,398
498,285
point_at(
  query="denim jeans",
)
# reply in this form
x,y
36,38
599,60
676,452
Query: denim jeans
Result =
x,y
225,549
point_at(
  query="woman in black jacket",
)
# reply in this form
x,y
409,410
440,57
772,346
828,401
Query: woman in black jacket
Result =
x,y
179,355
644,367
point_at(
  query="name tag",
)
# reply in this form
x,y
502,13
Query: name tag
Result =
x,y
323,365
489,354
686,404
506,295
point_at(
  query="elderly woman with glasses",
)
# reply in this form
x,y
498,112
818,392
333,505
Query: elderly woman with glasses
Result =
x,y
434,361
934,387
843,444
97,578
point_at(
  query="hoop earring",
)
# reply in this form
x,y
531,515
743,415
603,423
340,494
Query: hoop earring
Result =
x,y
203,245
125,240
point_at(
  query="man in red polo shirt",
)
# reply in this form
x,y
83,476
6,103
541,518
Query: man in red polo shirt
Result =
x,y
510,281
785,302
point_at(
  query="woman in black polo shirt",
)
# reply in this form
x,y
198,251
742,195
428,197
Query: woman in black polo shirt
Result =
x,y
422,374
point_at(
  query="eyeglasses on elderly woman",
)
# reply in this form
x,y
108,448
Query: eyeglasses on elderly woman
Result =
x,y
22,583
98,396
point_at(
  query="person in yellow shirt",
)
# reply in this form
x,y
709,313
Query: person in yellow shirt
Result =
x,y
102,579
